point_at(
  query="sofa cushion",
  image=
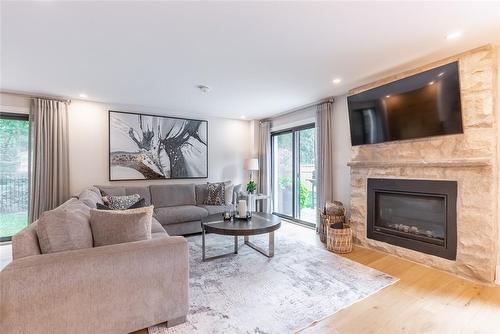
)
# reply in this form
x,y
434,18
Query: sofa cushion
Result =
x,y
123,202
90,197
156,226
179,214
201,191
215,194
122,191
172,195
213,209
112,191
65,228
111,227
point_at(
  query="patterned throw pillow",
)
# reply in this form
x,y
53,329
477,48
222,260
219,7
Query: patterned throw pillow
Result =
x,y
123,202
215,194
139,204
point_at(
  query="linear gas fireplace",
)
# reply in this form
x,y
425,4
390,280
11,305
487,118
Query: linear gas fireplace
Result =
x,y
415,214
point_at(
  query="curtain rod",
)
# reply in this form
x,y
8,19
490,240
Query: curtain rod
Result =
x,y
37,96
309,105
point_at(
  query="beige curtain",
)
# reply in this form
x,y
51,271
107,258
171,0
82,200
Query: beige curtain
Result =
x,y
265,163
325,163
49,182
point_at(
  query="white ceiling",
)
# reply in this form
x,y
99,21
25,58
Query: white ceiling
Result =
x,y
259,58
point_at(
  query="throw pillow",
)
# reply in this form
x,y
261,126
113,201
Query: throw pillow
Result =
x,y
215,194
139,204
100,206
111,227
122,202
65,228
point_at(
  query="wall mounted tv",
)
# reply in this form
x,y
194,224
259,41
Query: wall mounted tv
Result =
x,y
423,105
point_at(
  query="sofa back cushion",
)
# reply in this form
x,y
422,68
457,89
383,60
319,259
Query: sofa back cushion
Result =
x,y
65,228
201,193
143,192
111,227
173,195
90,197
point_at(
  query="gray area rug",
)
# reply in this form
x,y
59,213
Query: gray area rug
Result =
x,y
249,293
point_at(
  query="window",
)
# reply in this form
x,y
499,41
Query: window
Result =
x,y
294,174
14,167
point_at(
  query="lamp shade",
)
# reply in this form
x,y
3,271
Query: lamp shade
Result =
x,y
252,164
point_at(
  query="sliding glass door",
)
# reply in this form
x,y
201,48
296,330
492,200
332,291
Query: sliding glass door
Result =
x,y
14,138
283,173
294,174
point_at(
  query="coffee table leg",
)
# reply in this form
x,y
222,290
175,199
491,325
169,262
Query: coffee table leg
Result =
x,y
271,244
203,243
235,244
270,252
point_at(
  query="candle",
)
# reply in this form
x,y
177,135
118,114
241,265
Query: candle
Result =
x,y
242,208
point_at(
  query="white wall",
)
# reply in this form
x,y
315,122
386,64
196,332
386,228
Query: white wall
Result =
x,y
342,151
228,144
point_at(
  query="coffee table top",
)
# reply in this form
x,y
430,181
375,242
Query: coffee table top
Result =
x,y
260,223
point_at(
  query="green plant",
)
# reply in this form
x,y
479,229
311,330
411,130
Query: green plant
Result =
x,y
251,186
303,194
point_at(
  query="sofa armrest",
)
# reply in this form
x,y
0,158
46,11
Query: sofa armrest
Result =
x,y
111,289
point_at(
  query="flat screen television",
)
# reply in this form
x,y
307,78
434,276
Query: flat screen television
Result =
x,y
423,105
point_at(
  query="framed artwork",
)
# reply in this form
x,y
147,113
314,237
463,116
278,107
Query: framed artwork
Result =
x,y
150,147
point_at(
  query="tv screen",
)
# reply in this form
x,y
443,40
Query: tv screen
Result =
x,y
423,105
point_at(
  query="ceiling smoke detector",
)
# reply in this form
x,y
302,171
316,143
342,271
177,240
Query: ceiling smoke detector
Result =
x,y
204,89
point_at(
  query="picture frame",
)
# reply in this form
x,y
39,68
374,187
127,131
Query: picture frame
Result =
x,y
154,147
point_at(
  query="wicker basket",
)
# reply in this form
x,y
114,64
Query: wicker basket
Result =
x,y
339,240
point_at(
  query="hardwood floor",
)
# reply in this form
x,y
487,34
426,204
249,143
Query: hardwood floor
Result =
x,y
424,300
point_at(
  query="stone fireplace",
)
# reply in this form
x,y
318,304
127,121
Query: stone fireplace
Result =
x,y
414,214
465,163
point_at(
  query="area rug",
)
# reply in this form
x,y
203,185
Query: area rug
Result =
x,y
250,293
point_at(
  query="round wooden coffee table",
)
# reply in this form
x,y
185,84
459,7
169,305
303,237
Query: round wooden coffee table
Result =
x,y
260,223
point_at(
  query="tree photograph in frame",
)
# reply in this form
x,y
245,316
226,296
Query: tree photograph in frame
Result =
x,y
149,147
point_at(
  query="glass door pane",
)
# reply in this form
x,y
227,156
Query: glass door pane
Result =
x,y
283,173
14,137
306,175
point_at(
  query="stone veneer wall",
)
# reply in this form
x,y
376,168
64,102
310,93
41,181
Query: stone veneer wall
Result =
x,y
469,158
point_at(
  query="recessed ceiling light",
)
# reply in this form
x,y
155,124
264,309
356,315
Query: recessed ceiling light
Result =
x,y
431,83
83,95
243,117
454,35
441,74
336,80
203,88
387,96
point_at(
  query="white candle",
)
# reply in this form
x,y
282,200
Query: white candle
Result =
x,y
242,208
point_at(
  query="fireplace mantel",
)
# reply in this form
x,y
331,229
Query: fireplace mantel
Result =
x,y
457,163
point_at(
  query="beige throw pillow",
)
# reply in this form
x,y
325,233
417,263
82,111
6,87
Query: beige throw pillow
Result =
x,y
115,227
65,228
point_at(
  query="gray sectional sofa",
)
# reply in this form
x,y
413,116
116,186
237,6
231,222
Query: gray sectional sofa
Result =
x,y
179,208
116,288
